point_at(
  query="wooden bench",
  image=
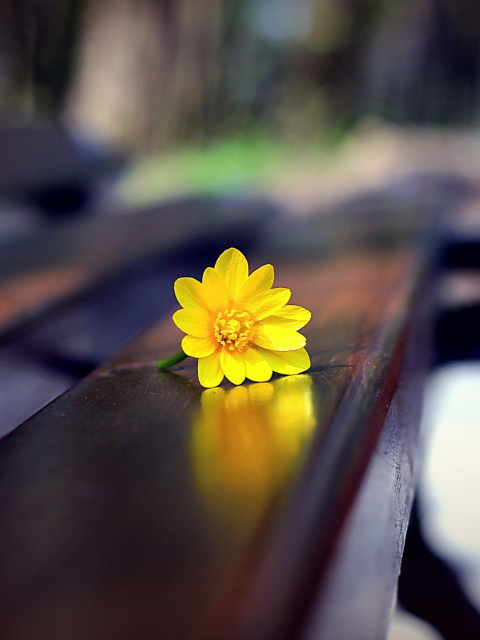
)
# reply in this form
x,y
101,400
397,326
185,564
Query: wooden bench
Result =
x,y
139,506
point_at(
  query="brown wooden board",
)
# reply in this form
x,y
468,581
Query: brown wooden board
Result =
x,y
56,262
138,505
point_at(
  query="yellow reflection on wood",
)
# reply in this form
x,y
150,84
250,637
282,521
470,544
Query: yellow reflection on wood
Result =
x,y
247,442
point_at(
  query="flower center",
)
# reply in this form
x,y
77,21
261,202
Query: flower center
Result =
x,y
233,328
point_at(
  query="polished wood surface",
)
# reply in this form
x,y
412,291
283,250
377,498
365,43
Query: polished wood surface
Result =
x,y
138,505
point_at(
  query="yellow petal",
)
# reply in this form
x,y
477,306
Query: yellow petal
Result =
x,y
189,293
233,266
195,322
268,302
270,336
199,347
233,365
287,362
209,370
214,290
260,280
256,367
289,316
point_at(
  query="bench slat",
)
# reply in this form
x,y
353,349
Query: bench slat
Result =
x,y
56,263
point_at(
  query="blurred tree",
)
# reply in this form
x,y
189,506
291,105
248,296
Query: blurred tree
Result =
x,y
425,63
153,74
146,69
37,50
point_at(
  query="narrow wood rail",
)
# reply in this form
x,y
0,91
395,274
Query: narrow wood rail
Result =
x,y
138,505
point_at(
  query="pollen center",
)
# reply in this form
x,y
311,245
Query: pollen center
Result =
x,y
233,328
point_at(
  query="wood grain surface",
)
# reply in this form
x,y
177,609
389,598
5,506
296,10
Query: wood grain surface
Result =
x,y
140,506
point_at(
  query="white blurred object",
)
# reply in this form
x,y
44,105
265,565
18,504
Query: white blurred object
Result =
x,y
408,627
450,484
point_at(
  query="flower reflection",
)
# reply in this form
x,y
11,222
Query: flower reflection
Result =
x,y
247,442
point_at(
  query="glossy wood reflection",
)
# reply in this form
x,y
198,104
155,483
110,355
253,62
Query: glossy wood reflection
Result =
x,y
247,442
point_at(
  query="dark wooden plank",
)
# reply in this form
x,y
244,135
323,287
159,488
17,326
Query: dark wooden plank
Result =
x,y
358,591
138,505
57,262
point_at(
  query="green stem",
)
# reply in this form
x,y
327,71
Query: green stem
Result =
x,y
169,362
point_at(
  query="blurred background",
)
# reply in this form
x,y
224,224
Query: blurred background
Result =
x,y
220,94
112,106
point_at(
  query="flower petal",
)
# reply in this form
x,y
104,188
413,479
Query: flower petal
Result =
x,y
189,293
256,367
194,322
268,302
199,347
209,370
233,266
270,336
233,365
260,280
214,290
287,362
290,316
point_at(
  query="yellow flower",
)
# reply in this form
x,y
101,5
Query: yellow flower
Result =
x,y
237,325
